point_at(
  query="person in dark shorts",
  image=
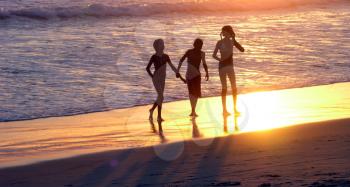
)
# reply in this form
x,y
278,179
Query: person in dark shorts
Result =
x,y
194,57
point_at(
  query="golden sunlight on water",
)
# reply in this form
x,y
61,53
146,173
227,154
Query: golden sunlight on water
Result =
x,y
31,141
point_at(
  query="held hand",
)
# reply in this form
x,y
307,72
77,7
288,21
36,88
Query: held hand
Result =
x,y
207,77
178,75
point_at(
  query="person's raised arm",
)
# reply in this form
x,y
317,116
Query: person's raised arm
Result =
x,y
148,68
238,45
215,53
205,66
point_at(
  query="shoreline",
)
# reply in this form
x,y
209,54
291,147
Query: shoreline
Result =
x,y
276,157
166,102
33,141
199,139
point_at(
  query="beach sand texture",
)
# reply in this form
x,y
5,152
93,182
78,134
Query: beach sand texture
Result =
x,y
250,152
308,155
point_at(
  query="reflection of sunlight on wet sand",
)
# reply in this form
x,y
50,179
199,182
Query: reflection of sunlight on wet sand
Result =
x,y
276,109
265,110
42,139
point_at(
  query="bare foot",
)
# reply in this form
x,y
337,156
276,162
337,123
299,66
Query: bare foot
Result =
x,y
160,119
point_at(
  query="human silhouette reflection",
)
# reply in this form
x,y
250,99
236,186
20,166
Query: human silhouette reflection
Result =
x,y
195,129
235,123
153,127
235,120
225,124
160,131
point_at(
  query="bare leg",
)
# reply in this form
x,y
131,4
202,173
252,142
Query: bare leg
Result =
x,y
152,110
223,99
160,104
160,113
195,105
159,84
235,103
193,100
192,103
222,73
232,77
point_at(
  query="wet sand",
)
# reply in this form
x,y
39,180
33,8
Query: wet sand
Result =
x,y
308,155
261,147
27,142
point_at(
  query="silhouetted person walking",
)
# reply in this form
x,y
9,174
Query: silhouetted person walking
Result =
x,y
226,69
193,76
159,60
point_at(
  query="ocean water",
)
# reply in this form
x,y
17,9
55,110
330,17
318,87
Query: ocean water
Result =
x,y
70,57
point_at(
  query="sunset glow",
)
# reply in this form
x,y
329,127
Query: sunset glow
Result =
x,y
260,111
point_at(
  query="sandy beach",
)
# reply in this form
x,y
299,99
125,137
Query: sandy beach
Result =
x,y
33,141
121,148
309,155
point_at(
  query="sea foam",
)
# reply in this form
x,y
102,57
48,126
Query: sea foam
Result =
x,y
101,10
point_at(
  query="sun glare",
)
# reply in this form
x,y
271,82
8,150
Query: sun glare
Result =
x,y
261,111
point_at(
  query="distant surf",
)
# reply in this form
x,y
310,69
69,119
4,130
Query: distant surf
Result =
x,y
103,11
57,59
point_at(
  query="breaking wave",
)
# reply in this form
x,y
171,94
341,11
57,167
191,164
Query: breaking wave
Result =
x,y
101,10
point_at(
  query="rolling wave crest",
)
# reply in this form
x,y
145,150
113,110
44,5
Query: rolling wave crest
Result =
x,y
101,10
